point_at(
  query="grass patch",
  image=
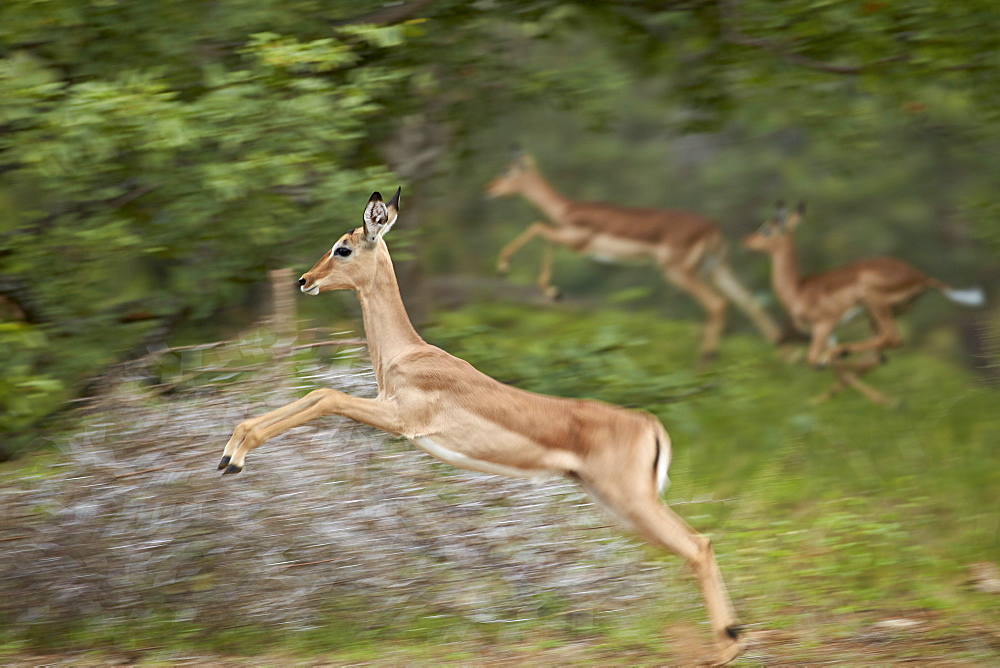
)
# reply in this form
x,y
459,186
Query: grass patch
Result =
x,y
843,508
827,519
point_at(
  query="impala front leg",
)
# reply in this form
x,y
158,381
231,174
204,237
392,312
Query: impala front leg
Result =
x,y
886,335
819,343
254,432
507,252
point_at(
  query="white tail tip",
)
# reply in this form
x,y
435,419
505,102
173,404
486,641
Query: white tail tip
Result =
x,y
966,297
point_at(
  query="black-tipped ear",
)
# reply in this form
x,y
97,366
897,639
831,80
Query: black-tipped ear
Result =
x,y
379,217
780,211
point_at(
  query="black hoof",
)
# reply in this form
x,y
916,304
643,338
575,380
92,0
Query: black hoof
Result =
x,y
734,631
224,463
232,469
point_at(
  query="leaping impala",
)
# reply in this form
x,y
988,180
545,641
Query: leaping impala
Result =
x,y
881,287
685,246
447,408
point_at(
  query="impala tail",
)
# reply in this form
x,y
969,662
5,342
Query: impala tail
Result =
x,y
966,296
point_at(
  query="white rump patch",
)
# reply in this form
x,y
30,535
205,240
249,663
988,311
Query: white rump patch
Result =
x,y
459,460
662,465
966,297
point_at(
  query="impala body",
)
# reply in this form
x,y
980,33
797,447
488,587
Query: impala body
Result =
x,y
688,248
880,287
452,411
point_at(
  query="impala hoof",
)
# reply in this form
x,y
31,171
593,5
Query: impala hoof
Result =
x,y
224,463
232,469
727,654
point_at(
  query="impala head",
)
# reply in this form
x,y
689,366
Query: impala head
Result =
x,y
350,262
776,229
514,177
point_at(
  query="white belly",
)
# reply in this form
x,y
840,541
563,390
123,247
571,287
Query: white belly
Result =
x,y
459,460
607,248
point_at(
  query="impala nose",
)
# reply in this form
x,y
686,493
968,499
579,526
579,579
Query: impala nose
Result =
x,y
302,281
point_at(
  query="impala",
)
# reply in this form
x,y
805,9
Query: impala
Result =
x,y
880,287
447,408
686,247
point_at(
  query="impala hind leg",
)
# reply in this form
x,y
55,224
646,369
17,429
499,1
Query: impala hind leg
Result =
x,y
849,374
545,274
886,334
663,527
849,377
639,508
713,304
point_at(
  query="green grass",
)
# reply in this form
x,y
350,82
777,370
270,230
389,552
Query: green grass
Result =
x,y
826,518
844,508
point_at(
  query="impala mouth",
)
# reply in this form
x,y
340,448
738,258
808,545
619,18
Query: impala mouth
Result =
x,y
314,290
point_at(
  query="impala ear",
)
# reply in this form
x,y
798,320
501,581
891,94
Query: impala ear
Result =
x,y
379,217
792,221
780,212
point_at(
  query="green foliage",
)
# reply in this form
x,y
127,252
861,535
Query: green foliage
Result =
x,y
156,158
25,394
815,509
141,197
553,356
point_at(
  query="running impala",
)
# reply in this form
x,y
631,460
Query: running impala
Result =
x,y
687,248
447,408
881,287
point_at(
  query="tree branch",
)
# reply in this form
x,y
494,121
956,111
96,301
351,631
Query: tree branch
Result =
x,y
732,35
88,207
388,14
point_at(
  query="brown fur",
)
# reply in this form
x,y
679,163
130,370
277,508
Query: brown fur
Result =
x,y
818,303
685,246
445,406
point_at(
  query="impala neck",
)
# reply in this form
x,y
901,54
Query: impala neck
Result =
x,y
387,326
785,271
538,191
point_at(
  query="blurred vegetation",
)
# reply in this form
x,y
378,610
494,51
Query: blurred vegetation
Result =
x,y
827,519
156,159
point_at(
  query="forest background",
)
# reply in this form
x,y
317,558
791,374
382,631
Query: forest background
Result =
x,y
158,159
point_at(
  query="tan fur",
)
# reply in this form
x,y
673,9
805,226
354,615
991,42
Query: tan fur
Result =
x,y
819,302
448,408
685,246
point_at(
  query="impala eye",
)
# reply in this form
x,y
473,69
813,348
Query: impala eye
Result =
x,y
343,251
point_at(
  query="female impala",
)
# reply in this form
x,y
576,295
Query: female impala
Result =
x,y
818,303
685,246
452,411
